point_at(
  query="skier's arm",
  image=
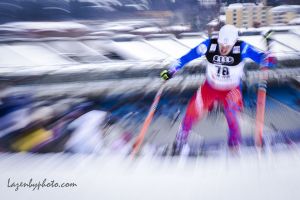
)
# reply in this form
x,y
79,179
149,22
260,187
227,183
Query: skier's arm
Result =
x,y
264,59
194,53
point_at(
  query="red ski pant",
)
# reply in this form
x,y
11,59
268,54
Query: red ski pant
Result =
x,y
203,100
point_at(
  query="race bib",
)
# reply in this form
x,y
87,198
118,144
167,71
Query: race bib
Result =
x,y
222,72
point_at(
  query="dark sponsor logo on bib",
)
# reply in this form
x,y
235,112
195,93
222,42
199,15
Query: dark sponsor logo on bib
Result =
x,y
223,59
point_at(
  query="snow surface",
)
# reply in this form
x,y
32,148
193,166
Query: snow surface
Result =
x,y
134,50
50,26
295,21
235,6
169,46
286,8
222,18
251,176
255,40
22,54
148,30
141,50
289,39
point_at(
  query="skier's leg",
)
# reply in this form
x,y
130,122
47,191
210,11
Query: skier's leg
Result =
x,y
196,109
233,104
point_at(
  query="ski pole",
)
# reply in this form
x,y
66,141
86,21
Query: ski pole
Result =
x,y
261,102
140,138
260,113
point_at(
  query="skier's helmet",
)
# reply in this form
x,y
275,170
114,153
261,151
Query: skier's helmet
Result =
x,y
228,36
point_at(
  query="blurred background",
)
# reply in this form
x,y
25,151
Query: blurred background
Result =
x,y
79,76
62,59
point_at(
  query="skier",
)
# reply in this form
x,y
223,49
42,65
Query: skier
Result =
x,y
225,56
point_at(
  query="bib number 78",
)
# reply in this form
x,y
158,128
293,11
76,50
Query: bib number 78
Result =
x,y
222,70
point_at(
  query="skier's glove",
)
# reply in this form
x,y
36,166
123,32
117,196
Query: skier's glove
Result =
x,y
166,74
270,61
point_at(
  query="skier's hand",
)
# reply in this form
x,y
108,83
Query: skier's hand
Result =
x,y
166,74
270,61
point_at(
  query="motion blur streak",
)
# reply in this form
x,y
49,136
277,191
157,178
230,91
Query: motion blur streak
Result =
x,y
78,78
